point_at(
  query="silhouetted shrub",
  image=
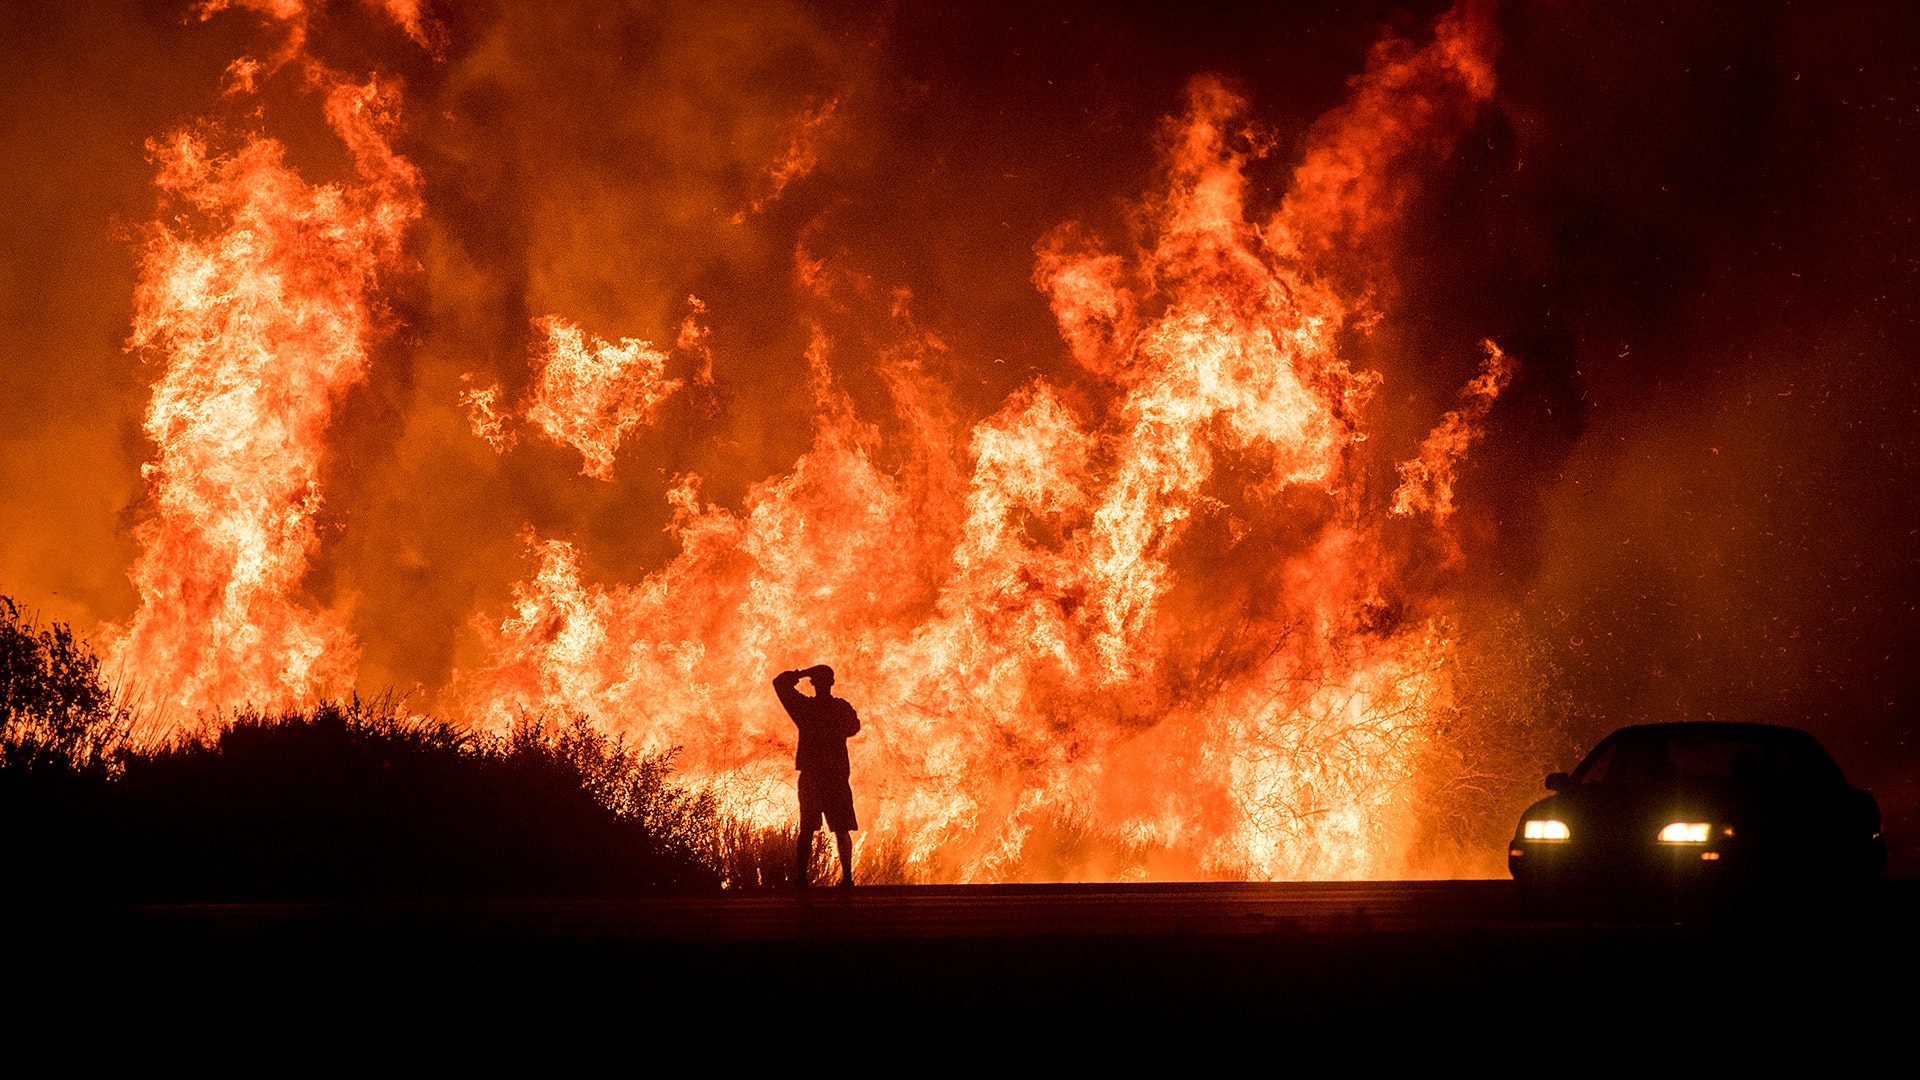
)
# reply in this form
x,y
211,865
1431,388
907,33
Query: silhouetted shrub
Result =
x,y
344,799
341,800
351,800
55,711
753,857
62,736
637,787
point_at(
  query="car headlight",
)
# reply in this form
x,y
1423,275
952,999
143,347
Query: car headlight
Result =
x,y
1685,832
1544,830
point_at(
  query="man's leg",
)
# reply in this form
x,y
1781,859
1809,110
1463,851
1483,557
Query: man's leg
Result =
x,y
845,842
803,853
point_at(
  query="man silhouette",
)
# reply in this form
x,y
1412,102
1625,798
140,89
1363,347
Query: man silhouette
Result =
x,y
825,723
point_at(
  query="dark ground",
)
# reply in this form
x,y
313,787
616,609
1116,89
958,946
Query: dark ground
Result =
x,y
1066,971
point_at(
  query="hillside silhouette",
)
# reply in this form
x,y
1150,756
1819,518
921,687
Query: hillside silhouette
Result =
x,y
343,800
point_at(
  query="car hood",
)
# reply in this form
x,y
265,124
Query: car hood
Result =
x,y
1636,814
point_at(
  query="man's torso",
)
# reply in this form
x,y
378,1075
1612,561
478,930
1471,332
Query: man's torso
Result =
x,y
825,724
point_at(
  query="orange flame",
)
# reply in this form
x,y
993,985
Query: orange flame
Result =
x,y
590,394
1149,628
293,13
261,316
800,157
1165,631
1426,482
484,415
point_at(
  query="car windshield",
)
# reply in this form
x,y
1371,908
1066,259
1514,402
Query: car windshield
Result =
x,y
1656,756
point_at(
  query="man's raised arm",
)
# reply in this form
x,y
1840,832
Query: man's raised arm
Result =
x,y
784,684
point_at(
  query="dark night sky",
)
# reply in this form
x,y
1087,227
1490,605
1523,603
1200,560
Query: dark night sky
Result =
x,y
1693,225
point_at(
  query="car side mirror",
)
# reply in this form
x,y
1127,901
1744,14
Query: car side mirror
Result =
x,y
1558,781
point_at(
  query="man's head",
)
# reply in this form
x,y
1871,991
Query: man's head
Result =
x,y
822,677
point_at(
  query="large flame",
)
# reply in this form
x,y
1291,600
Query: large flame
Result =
x,y
1156,637
256,296
1145,623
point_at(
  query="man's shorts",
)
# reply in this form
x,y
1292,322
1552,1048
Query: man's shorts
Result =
x,y
831,796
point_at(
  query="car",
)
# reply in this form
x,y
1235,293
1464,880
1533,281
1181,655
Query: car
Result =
x,y
1699,815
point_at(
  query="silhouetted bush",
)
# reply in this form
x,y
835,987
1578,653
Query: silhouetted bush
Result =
x,y
55,711
341,800
62,736
348,800
636,786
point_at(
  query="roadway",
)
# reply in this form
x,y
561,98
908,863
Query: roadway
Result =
x,y
1156,964
1188,909
863,913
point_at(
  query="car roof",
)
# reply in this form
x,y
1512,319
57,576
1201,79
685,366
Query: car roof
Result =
x,y
1715,729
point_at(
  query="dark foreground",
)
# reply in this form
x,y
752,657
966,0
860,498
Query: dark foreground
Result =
x,y
1374,967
